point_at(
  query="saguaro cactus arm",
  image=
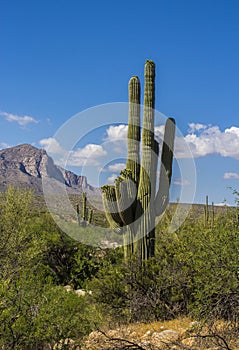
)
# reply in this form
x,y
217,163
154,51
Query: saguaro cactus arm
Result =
x,y
126,193
111,207
165,175
133,137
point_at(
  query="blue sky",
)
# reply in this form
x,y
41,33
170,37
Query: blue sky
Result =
x,y
59,58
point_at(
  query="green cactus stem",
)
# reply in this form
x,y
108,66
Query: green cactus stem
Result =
x,y
111,207
165,175
213,214
133,161
145,188
84,210
78,213
206,212
84,217
90,216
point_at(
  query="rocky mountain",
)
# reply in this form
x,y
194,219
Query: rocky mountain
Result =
x,y
26,166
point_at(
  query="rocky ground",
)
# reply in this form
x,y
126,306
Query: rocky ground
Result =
x,y
177,334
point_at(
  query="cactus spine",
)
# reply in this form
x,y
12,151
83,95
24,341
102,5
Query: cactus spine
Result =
x,y
132,205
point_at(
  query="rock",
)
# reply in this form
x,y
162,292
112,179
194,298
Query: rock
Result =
x,y
113,334
147,334
82,292
165,336
68,288
194,324
191,341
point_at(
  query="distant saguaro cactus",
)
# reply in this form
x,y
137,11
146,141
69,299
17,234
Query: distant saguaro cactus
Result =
x,y
131,206
206,212
86,214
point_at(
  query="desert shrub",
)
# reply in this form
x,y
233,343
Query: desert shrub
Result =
x,y
34,311
195,272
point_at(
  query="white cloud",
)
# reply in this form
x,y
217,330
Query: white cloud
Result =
x,y
4,145
222,204
196,127
89,150
119,132
201,141
116,167
21,120
112,178
209,140
86,156
232,130
52,145
116,138
228,176
116,133
181,182
159,133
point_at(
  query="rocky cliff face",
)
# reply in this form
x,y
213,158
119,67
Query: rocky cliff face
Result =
x,y
25,166
73,180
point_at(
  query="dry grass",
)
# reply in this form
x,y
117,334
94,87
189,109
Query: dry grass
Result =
x,y
178,334
180,325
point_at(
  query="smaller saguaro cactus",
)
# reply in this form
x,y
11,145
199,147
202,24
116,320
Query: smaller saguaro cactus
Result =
x,y
206,212
213,214
78,213
86,216
84,208
90,216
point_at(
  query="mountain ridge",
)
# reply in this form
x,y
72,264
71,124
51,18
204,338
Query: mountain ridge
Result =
x,y
25,166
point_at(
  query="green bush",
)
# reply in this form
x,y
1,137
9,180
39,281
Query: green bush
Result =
x,y
34,313
195,272
35,256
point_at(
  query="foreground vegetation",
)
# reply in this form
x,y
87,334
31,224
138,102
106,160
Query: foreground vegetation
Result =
x,y
194,274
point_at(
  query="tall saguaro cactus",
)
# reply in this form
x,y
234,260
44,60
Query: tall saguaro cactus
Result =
x,y
131,206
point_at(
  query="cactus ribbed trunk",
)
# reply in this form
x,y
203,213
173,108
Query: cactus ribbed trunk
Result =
x,y
144,204
133,162
111,207
132,204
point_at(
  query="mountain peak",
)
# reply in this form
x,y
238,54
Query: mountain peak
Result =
x,y
25,165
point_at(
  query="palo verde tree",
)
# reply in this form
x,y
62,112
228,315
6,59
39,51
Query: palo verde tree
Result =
x,y
132,204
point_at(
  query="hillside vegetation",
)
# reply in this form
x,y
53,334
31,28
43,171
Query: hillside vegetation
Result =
x,y
194,277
